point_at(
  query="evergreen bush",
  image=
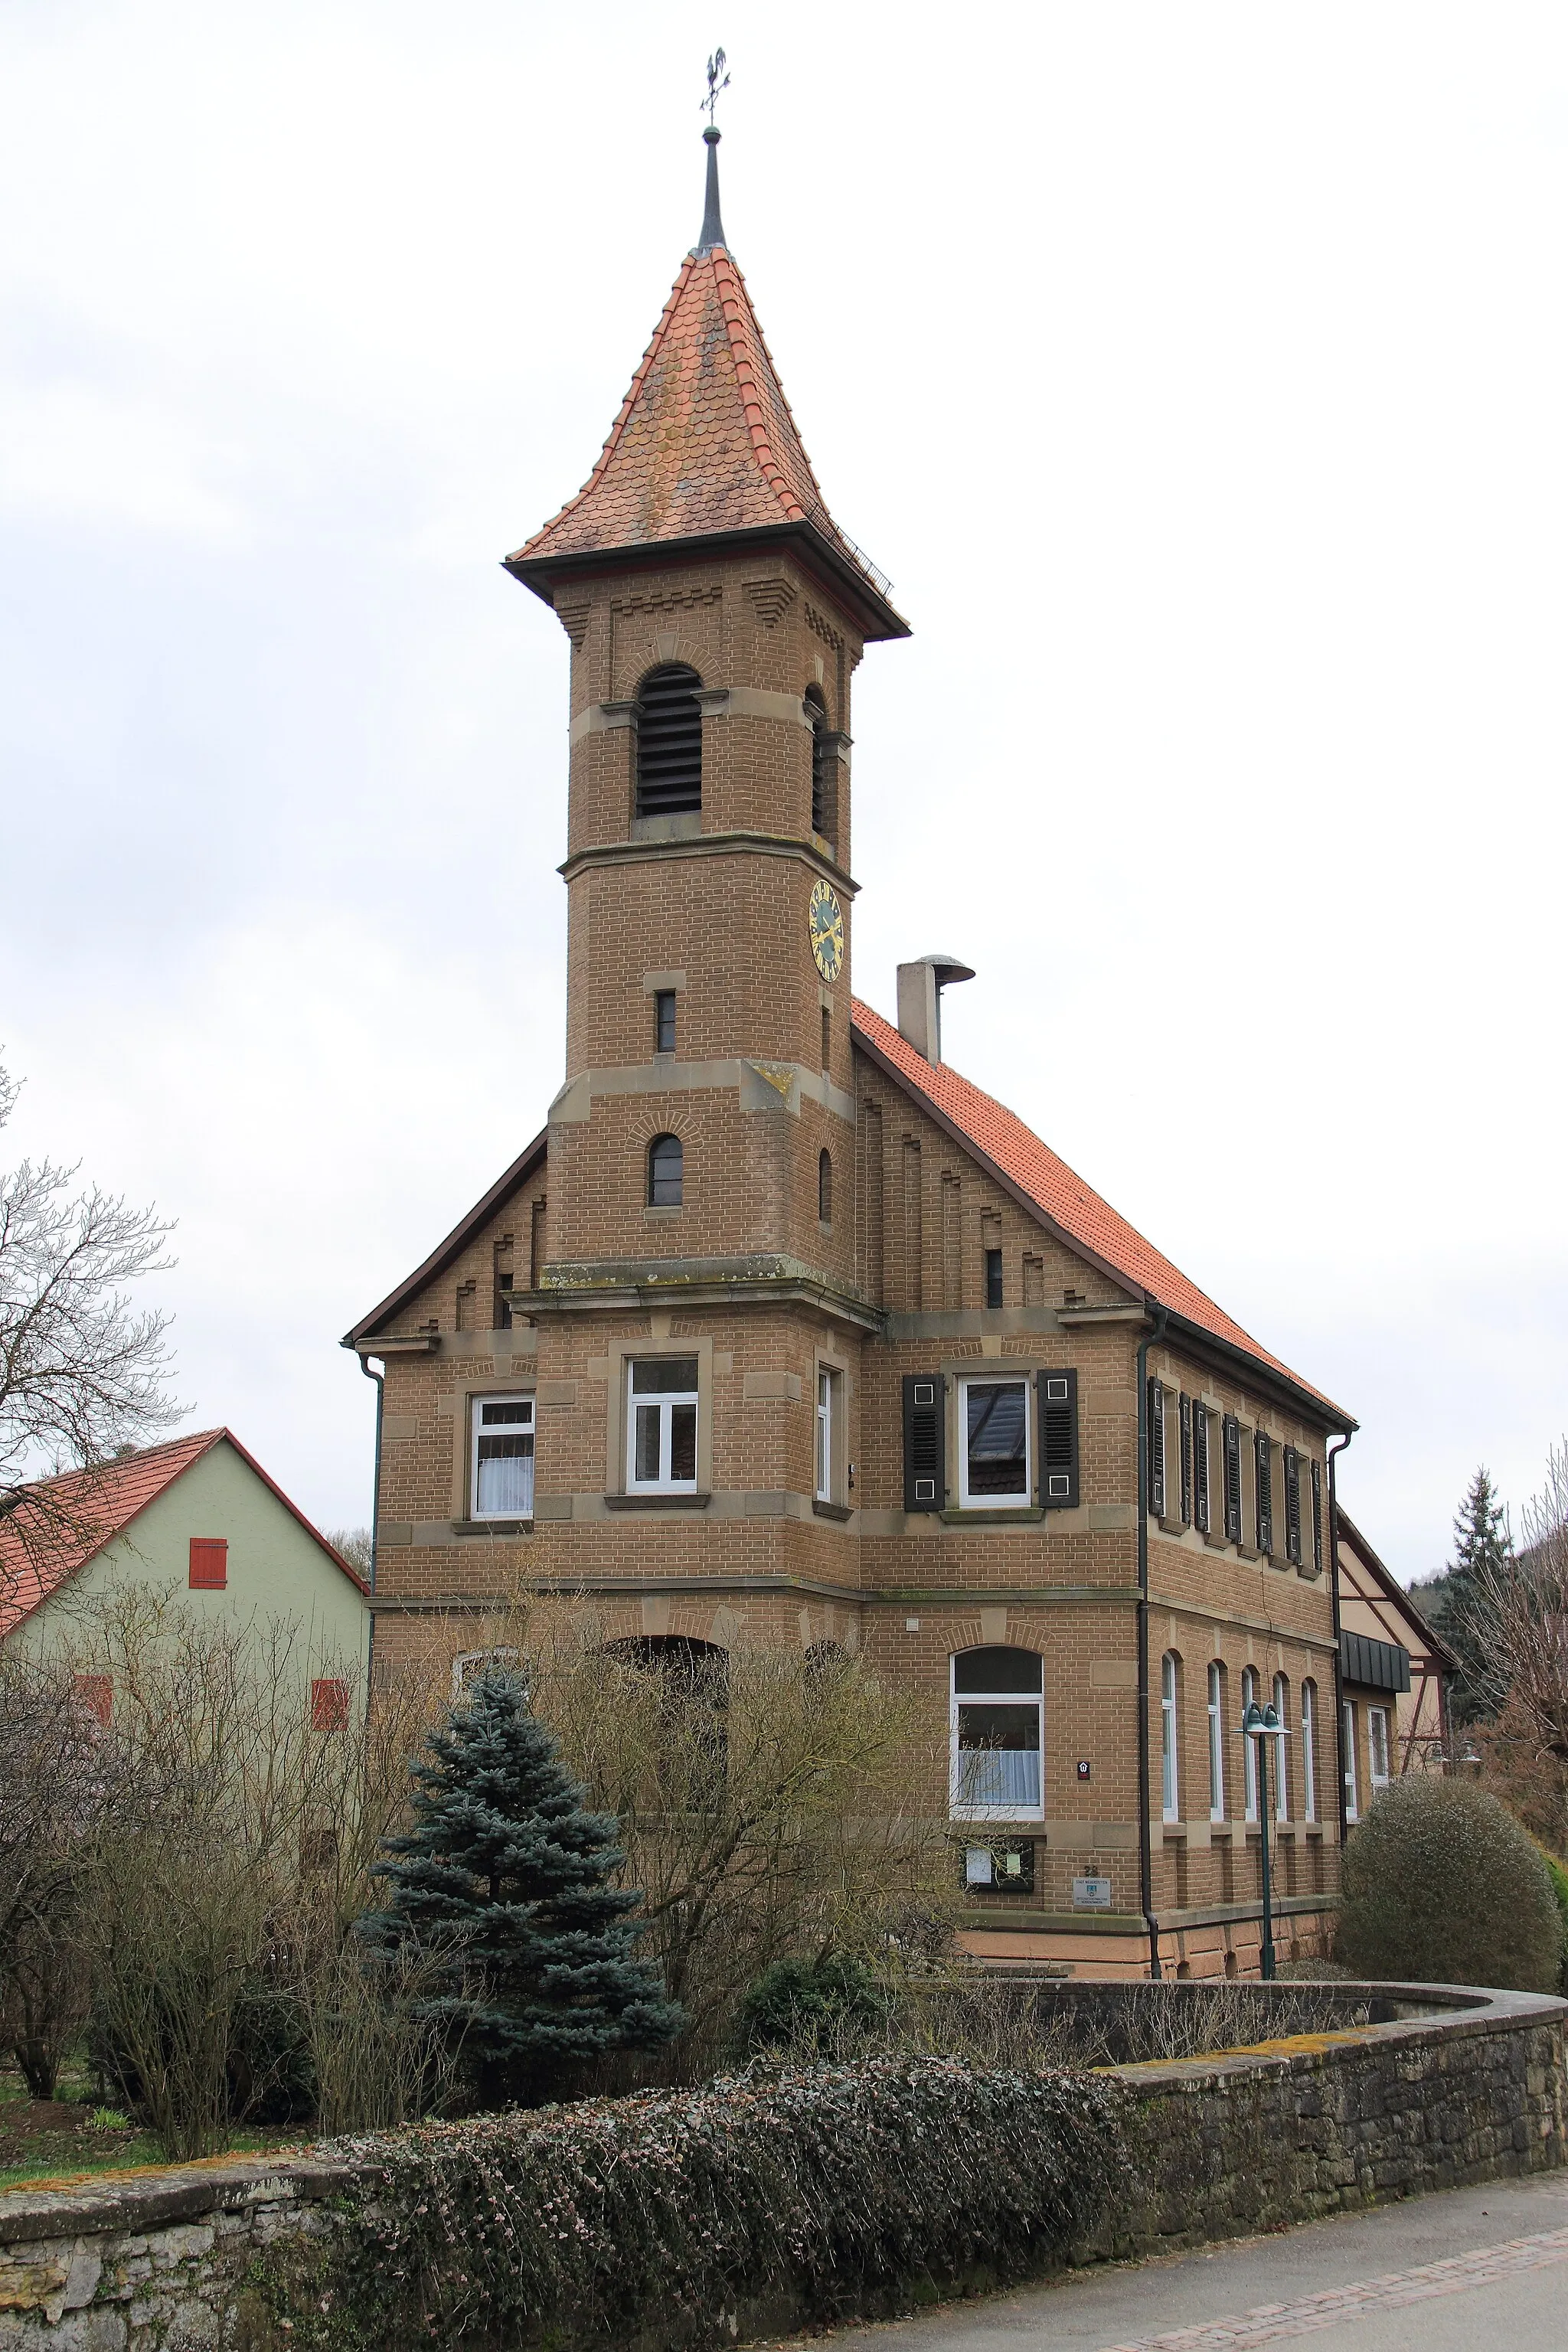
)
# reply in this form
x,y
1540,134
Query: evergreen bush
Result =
x,y
1558,1875
1441,1885
506,1883
801,2001
806,2195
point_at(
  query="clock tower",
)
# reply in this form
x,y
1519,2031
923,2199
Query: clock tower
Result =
x,y
705,1131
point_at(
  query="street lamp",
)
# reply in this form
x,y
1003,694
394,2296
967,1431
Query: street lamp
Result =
x,y
1261,1723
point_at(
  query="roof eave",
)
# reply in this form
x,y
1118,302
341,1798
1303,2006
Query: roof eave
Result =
x,y
875,616
442,1255
1261,1374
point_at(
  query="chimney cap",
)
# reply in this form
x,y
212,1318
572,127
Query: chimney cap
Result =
x,y
946,969
920,983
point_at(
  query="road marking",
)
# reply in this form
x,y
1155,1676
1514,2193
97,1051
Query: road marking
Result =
x,y
1272,2323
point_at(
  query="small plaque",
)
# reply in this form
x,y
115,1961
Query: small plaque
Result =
x,y
1092,1894
1083,1768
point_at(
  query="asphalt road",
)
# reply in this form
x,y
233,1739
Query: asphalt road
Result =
x,y
1475,2270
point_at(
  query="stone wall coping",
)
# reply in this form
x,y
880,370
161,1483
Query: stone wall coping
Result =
x,y
1440,2013
131,2203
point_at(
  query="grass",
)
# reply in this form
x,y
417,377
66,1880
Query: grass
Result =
x,y
94,2139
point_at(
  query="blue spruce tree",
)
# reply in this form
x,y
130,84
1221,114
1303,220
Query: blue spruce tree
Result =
x,y
504,1882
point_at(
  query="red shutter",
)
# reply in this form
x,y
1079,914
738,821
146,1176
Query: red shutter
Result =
x,y
209,1563
96,1693
329,1707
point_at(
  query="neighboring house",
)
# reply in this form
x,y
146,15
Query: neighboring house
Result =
x,y
200,1517
1395,1672
782,1329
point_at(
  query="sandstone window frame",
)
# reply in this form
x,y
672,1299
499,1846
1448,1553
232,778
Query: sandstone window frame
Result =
x,y
1216,1695
1281,1769
619,1354
1169,1737
1309,1749
1249,1746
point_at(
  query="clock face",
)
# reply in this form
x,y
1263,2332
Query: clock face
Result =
x,y
824,922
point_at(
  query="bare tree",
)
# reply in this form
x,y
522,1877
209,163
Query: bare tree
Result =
x,y
1524,1602
352,1544
82,1373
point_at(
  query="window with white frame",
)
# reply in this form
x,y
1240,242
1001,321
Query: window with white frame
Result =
x,y
1216,1742
501,1477
998,1704
1249,1746
828,1384
1377,1748
995,1464
1281,1770
1347,1743
1310,1750
1168,1791
662,1425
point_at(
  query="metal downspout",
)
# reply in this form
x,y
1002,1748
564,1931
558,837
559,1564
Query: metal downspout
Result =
x,y
1145,1840
379,1379
1339,1658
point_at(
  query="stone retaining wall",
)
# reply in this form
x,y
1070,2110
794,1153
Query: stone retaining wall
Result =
x,y
1455,2086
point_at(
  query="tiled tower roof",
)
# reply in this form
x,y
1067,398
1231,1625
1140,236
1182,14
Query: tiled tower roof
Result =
x,y
705,445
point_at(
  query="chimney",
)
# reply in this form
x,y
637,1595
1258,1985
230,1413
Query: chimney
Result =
x,y
919,1001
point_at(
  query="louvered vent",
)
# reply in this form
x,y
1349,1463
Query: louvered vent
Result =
x,y
669,742
821,757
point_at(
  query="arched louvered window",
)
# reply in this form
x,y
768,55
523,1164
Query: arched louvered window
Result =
x,y
669,741
666,1172
822,812
825,1189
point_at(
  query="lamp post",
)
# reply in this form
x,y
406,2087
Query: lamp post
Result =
x,y
1258,1724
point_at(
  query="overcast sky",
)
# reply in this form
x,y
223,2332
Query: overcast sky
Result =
x,y
1199,374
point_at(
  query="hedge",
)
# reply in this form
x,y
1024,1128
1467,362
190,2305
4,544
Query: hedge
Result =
x,y
796,2196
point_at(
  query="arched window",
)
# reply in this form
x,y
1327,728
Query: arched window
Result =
x,y
824,1188
822,765
1168,1791
998,1702
1280,1759
669,741
1249,1746
1310,1750
1216,1741
689,1681
666,1172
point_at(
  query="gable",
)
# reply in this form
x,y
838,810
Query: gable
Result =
x,y
1058,1197
416,1297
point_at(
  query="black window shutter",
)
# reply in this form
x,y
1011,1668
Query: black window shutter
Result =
x,y
1263,1454
1230,1435
1157,1449
1317,1521
1292,1506
1202,1516
924,1451
1185,1411
1058,1441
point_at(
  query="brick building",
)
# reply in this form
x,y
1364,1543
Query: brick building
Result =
x,y
783,1330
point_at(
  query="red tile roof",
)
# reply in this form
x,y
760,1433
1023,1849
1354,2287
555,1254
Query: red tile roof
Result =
x,y
999,1136
91,1508
704,442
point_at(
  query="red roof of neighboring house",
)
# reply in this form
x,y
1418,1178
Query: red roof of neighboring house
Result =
x,y
704,442
997,1135
96,1507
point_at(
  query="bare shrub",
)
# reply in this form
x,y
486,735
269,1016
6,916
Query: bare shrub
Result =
x,y
1521,1600
226,1983
769,1802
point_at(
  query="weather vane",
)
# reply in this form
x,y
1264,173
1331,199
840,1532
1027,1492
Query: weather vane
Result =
x,y
717,79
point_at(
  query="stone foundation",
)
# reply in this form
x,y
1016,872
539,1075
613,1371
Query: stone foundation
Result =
x,y
1444,2087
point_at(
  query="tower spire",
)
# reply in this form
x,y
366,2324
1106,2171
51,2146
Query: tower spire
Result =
x,y
712,226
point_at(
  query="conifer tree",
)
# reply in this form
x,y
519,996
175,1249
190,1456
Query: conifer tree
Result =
x,y
504,1882
1460,1599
